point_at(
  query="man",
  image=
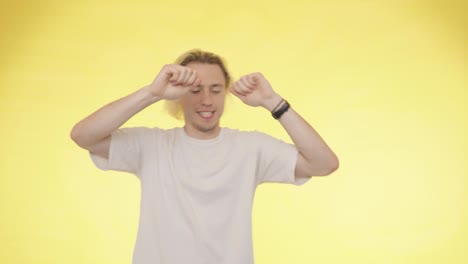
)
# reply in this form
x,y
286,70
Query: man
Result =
x,y
198,182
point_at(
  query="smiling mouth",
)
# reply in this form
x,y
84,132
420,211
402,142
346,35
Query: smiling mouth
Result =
x,y
206,114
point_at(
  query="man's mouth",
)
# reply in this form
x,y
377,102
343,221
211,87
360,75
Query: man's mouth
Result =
x,y
206,114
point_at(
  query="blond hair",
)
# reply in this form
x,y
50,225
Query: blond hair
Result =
x,y
196,55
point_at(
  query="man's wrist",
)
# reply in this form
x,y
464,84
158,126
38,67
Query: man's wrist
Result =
x,y
282,108
149,95
272,102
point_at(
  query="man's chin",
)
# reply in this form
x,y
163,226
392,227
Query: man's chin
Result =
x,y
208,128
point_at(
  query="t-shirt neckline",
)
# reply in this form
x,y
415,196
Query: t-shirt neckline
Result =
x,y
201,142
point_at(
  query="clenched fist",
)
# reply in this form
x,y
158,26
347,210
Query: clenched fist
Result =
x,y
173,81
255,90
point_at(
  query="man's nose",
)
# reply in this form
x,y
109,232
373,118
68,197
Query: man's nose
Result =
x,y
206,98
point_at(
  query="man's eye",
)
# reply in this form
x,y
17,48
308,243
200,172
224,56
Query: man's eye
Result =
x,y
216,91
195,91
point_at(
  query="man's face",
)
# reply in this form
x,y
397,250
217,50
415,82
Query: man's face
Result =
x,y
204,105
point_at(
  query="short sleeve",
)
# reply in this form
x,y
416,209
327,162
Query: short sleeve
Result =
x,y
276,161
124,152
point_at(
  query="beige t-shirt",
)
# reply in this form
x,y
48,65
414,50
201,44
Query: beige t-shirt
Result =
x,y
196,195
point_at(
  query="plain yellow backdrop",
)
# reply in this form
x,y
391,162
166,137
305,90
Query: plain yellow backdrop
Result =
x,y
384,83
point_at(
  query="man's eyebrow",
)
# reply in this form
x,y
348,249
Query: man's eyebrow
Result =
x,y
214,85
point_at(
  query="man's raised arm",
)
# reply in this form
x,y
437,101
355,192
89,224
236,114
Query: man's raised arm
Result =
x,y
315,157
93,133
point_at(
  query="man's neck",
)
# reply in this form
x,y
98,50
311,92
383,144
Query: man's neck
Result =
x,y
202,134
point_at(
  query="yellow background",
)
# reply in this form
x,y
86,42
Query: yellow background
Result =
x,y
384,82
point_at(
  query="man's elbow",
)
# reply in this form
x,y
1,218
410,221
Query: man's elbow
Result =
x,y
333,165
330,166
77,136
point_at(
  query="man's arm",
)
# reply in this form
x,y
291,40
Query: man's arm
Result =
x,y
94,132
315,157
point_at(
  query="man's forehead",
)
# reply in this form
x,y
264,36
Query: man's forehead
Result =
x,y
209,74
206,69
